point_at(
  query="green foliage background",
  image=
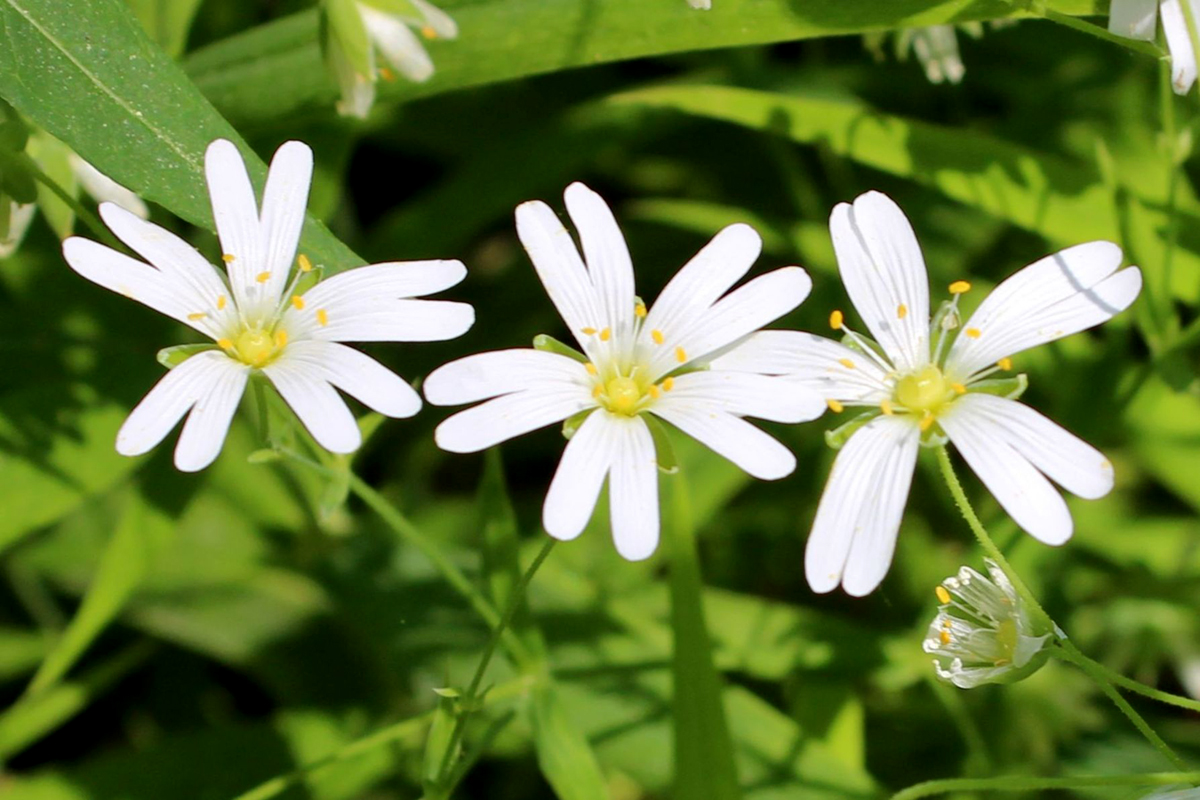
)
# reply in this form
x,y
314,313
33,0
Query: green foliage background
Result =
x,y
190,636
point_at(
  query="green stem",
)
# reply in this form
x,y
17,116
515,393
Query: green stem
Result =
x,y
1136,686
81,211
1066,20
1067,648
1024,783
471,698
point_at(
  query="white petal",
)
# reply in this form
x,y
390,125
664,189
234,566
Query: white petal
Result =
x,y
104,189
884,274
816,363
503,418
758,453
391,281
492,374
1135,19
172,396
141,282
285,199
579,477
1021,490
207,425
558,265
235,212
1179,43
740,313
356,374
1065,458
317,404
633,489
606,256
400,46
1059,295
854,534
743,394
437,20
19,219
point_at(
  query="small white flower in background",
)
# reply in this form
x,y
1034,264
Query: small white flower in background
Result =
x,y
360,31
703,5
981,633
258,319
917,391
936,47
1137,19
636,362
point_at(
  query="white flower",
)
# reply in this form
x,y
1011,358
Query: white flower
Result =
x,y
703,5
936,47
12,232
918,392
981,633
360,28
258,320
638,363
1135,19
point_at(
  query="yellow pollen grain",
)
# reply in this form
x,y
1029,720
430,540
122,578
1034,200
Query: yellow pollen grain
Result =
x,y
262,277
606,334
960,287
836,320
653,391
847,363
281,338
974,333
657,336
926,422
942,595
886,407
221,301
322,317
428,32
901,311
958,388
945,637
589,331
298,302
199,315
303,262
835,406
591,368
224,344
1004,363
680,355
668,384
639,310
947,624
228,258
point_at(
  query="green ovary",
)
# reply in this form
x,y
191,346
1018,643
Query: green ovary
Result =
x,y
925,391
255,346
622,395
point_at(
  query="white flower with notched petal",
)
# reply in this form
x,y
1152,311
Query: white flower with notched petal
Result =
x,y
257,320
981,633
635,363
1136,19
918,392
361,30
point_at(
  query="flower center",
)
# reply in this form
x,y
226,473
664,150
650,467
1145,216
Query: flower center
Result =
x,y
622,395
254,346
925,391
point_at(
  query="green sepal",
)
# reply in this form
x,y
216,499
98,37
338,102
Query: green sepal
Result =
x,y
572,423
171,357
548,344
837,437
264,455
347,33
1021,673
664,450
441,735
308,280
448,692
1011,388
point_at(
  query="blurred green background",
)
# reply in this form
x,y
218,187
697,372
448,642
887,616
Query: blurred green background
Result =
x,y
254,619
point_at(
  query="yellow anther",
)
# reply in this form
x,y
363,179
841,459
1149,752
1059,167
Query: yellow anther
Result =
x,y
639,310
947,624
901,311
221,301
974,333
680,355
591,368
836,320
387,74
589,331
596,391
322,317
926,422
657,336
835,406
303,262
281,339
224,344
958,388
885,406
945,637
298,302
199,315
960,287
228,258
942,595
428,32
847,363
262,277
668,384
606,334
653,391
1004,363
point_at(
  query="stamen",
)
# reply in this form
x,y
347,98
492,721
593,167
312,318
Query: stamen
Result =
x,y
322,317
224,344
298,302
653,391
591,368
639,310
228,258
680,355
668,384
958,388
606,334
589,331
837,320
947,624
303,262
281,339
657,336
835,406
901,311
221,301
262,277
926,422
428,32
974,333
199,315
847,363
945,637
596,391
1005,363
960,287
885,406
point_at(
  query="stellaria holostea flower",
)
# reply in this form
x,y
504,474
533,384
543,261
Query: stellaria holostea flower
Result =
x,y
637,364
260,319
916,390
982,633
358,32
1136,19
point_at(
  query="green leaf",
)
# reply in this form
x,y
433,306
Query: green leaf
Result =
x,y
20,652
563,754
125,106
440,734
171,357
167,21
